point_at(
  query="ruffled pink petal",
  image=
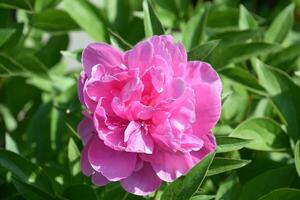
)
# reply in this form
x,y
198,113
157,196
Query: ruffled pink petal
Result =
x,y
110,131
100,53
201,72
132,90
137,140
190,142
142,182
208,108
168,166
86,129
85,165
209,145
99,179
164,137
140,57
114,165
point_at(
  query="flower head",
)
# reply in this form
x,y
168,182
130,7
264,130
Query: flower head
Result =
x,y
149,113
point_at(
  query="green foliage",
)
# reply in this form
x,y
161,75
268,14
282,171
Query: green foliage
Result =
x,y
253,45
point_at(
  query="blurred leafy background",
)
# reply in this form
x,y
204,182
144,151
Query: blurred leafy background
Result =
x,y
254,45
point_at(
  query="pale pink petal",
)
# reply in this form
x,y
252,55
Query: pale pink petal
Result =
x,y
137,140
99,179
158,79
190,142
114,165
132,91
201,72
100,53
142,182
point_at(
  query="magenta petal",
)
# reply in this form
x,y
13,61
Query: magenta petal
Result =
x,y
114,165
86,130
99,179
81,81
85,165
142,182
100,53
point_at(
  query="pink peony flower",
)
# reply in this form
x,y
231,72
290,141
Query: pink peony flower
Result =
x,y
149,113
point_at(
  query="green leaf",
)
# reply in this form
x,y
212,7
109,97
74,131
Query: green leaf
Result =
x,y
222,18
246,20
5,34
297,157
203,197
31,192
279,58
229,189
245,51
9,67
221,165
117,41
185,187
227,144
87,17
53,20
25,170
22,4
79,192
74,157
281,25
267,182
193,33
152,24
73,54
202,51
266,134
50,53
284,93
244,78
282,193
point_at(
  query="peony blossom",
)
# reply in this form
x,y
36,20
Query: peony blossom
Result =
x,y
149,113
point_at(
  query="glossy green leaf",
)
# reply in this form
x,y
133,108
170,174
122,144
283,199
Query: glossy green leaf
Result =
x,y
117,41
53,20
185,187
152,24
227,144
22,4
280,58
267,182
79,192
281,25
87,17
30,192
50,53
246,20
221,165
202,51
266,134
245,51
244,78
297,157
25,170
73,54
193,33
74,157
203,197
284,93
229,189
283,193
5,34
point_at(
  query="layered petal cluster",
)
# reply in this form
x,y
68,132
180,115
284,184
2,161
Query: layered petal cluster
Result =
x,y
149,113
